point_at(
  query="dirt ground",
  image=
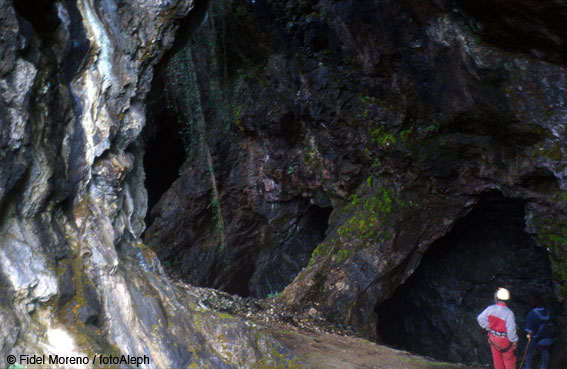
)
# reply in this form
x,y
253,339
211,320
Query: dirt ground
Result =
x,y
322,350
318,343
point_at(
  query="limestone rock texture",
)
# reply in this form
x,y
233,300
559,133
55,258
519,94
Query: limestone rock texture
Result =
x,y
372,126
75,278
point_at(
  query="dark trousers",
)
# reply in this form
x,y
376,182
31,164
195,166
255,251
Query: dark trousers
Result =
x,y
544,351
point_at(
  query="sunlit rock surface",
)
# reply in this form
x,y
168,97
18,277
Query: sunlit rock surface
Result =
x,y
75,278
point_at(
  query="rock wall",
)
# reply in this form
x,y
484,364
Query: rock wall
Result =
x,y
226,222
397,115
76,280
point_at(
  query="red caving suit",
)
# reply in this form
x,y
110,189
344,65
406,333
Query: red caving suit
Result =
x,y
499,321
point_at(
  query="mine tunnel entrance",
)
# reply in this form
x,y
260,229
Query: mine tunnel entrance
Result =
x,y
434,312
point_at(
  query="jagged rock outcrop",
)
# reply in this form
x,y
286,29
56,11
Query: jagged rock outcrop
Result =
x,y
75,278
398,115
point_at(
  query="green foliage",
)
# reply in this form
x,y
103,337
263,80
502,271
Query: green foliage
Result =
x,y
376,163
187,107
239,11
238,112
342,255
291,169
370,103
320,250
432,128
364,224
560,197
381,137
556,243
274,294
406,134
554,153
365,99
368,223
553,236
354,200
214,98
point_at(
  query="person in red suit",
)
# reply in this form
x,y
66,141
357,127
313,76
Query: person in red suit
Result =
x,y
500,323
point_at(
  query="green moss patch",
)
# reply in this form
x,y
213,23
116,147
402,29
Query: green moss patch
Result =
x,y
370,217
552,233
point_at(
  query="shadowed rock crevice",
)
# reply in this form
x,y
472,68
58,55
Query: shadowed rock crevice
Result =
x,y
434,312
41,14
164,145
534,27
276,268
166,137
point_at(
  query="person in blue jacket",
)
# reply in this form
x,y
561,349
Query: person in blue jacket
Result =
x,y
539,332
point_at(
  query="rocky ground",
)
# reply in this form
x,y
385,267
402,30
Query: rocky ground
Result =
x,y
319,343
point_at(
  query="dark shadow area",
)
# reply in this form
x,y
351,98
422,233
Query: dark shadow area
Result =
x,y
535,27
275,268
208,87
165,150
164,156
42,14
164,147
434,312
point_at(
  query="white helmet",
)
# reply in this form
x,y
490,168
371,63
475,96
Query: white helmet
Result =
x,y
502,294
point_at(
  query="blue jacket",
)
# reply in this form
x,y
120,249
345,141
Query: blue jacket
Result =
x,y
535,318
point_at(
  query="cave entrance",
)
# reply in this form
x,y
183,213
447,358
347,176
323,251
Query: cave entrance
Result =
x,y
434,312
277,266
276,263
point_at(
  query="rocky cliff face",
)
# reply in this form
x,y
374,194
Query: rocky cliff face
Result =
x,y
346,138
75,278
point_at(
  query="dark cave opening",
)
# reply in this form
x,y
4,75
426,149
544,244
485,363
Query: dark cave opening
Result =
x,y
434,312
276,268
164,147
269,271
42,14
165,138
